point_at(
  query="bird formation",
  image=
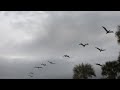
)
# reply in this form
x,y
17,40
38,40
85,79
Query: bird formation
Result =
x,y
39,67
67,56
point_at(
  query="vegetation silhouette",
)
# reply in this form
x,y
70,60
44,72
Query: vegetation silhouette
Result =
x,y
83,71
107,31
111,69
117,34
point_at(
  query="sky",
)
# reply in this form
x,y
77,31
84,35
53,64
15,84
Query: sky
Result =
x,y
29,38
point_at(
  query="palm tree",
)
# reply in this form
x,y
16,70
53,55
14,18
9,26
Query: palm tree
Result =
x,y
118,37
111,69
119,58
83,71
118,34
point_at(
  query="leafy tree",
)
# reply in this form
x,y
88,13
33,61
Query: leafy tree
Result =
x,y
111,69
119,58
118,34
118,40
83,71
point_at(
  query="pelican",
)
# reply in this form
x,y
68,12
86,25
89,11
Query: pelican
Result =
x,y
83,44
51,62
66,56
38,67
43,64
100,49
107,31
99,64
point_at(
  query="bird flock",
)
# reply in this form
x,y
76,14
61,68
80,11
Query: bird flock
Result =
x,y
67,56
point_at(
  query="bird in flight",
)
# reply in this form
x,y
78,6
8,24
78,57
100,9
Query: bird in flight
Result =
x,y
99,64
107,31
43,64
66,56
38,67
51,62
100,49
84,44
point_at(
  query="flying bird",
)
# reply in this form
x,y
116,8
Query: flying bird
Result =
x,y
38,67
107,31
83,44
43,64
99,64
66,56
100,49
51,62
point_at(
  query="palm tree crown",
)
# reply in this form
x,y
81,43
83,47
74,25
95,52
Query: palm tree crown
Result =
x,y
83,71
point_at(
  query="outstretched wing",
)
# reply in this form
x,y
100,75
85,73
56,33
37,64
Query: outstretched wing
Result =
x,y
68,56
97,48
87,44
81,44
103,49
105,29
98,64
50,62
111,32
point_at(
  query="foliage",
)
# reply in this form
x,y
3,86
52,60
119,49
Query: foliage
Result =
x,y
118,34
111,69
83,71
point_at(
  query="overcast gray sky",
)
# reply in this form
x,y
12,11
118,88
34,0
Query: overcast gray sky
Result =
x,y
29,38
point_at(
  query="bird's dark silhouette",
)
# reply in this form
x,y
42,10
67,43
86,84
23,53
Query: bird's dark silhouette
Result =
x,y
100,49
43,64
98,64
84,44
107,31
67,56
51,62
38,67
